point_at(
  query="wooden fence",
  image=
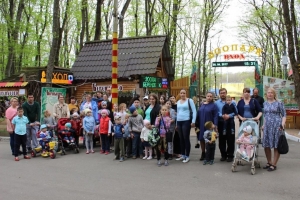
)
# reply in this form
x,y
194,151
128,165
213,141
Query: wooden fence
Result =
x,y
182,83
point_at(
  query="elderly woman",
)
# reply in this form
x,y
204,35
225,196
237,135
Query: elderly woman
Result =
x,y
275,117
208,111
61,109
10,113
186,117
92,105
248,108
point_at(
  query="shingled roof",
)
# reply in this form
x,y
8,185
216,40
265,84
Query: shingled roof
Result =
x,y
137,56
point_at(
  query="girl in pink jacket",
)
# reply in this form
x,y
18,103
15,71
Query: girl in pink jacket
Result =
x,y
246,143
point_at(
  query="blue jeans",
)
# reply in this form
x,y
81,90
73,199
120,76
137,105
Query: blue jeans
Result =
x,y
137,145
12,142
184,130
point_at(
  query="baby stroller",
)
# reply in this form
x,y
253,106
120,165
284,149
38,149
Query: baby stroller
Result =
x,y
61,141
50,147
238,155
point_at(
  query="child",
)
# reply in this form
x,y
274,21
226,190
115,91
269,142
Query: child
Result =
x,y
68,133
119,140
45,135
144,138
116,110
123,112
245,141
135,125
163,123
88,130
49,121
19,123
76,123
229,108
105,131
127,138
210,143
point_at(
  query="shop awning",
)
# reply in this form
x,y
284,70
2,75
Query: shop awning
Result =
x,y
13,84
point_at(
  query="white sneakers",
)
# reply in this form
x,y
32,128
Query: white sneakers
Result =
x,y
184,160
180,158
148,158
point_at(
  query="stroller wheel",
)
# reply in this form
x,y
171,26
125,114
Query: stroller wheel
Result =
x,y
252,171
52,154
33,153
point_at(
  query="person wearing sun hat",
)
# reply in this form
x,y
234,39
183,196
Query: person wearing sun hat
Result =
x,y
246,143
135,125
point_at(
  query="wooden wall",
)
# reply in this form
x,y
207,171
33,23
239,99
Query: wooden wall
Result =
x,y
182,83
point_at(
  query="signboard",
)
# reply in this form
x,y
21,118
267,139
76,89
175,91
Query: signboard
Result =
x,y
9,93
153,82
49,98
58,77
235,64
285,91
234,56
234,47
103,88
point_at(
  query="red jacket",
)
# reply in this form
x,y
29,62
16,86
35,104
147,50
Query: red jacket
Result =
x,y
76,125
104,125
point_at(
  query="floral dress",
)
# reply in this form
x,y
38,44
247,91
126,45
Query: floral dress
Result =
x,y
273,114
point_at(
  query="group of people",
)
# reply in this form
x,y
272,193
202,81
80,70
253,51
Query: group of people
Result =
x,y
128,128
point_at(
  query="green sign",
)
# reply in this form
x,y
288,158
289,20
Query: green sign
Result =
x,y
153,82
235,64
49,98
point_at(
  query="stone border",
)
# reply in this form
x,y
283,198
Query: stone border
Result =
x,y
291,137
4,139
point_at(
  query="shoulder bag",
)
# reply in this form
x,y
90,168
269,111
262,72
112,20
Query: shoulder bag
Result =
x,y
190,109
283,146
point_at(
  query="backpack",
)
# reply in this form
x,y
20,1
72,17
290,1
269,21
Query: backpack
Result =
x,y
153,137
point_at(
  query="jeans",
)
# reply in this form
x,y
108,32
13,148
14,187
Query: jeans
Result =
x,y
210,151
184,130
137,145
119,147
43,143
89,141
20,140
128,146
105,142
226,142
31,132
12,142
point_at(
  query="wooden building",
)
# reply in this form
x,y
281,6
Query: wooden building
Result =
x,y
144,65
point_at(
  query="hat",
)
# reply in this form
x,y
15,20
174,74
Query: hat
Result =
x,y
145,97
132,109
43,126
248,129
87,110
104,111
208,125
103,102
117,117
68,125
75,114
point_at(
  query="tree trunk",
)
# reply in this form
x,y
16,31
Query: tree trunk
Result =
x,y
98,20
293,44
54,45
121,18
136,18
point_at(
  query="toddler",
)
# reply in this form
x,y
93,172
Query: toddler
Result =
x,y
210,143
245,141
45,135
88,130
119,140
144,138
229,108
127,138
49,121
68,133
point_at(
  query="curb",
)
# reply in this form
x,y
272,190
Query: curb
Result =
x,y
4,139
291,137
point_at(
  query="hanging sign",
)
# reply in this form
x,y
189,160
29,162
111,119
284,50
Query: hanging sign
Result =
x,y
153,82
9,93
103,88
59,77
234,47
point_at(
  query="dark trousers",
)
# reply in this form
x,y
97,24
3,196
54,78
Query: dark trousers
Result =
x,y
184,129
137,145
119,147
229,124
12,142
226,142
162,145
210,151
128,146
105,142
20,140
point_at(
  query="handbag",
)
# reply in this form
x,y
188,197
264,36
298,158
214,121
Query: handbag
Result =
x,y
190,109
283,146
169,134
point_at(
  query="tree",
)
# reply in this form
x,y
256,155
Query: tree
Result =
x,y
55,39
290,20
121,18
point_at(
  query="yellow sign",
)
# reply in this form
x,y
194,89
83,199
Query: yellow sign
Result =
x,y
58,77
234,47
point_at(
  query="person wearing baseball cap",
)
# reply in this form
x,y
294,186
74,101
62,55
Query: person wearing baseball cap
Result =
x,y
145,102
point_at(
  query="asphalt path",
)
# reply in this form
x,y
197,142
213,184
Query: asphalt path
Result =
x,y
95,176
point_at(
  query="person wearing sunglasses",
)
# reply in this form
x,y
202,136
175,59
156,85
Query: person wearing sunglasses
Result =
x,y
248,108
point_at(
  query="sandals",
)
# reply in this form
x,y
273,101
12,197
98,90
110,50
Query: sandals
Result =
x,y
272,168
267,166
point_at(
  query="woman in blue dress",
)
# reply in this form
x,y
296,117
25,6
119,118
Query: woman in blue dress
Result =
x,y
208,111
275,116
